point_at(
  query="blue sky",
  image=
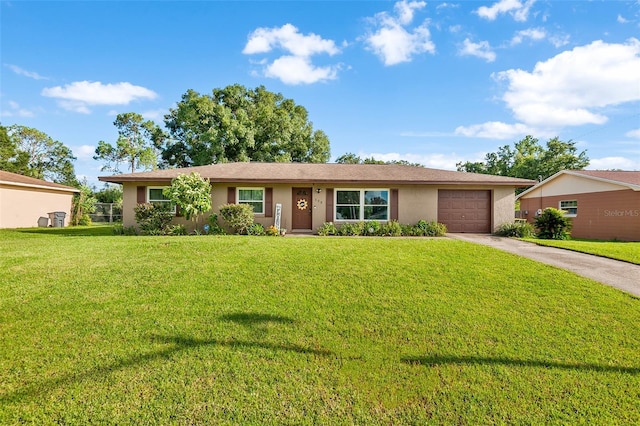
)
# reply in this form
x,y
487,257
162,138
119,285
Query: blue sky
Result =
x,y
429,82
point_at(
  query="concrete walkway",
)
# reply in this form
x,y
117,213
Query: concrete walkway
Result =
x,y
622,275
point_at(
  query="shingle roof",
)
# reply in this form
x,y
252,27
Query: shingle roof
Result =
x,y
615,176
15,179
322,173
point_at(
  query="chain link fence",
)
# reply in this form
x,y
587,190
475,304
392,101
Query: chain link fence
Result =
x,y
107,213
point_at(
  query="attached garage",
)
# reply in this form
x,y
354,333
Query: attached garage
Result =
x,y
465,210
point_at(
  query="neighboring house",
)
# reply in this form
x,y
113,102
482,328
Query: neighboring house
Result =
x,y
311,194
603,205
26,201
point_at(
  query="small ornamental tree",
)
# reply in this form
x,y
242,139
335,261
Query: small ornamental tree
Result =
x,y
191,193
553,225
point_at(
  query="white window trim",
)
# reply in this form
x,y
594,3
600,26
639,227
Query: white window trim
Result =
x,y
252,188
149,200
362,205
568,214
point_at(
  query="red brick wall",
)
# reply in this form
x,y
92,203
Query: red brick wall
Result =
x,y
601,215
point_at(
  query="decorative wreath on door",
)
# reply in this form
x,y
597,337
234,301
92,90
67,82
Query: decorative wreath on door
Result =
x,y
302,204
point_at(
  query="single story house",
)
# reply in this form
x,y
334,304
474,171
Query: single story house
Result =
x,y
27,202
304,196
603,205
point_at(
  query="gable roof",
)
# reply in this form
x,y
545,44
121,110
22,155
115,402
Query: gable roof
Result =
x,y
314,173
628,179
14,179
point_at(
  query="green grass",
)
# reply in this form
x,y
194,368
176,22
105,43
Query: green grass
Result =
x,y
626,251
258,330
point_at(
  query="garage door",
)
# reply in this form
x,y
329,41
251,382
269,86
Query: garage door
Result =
x,y
465,211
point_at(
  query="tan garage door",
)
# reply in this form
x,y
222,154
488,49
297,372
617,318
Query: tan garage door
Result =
x,y
465,210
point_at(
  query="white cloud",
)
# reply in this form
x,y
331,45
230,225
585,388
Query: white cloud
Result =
x,y
436,161
15,110
295,66
517,9
568,89
608,163
392,41
633,134
31,74
621,20
154,114
559,40
531,34
495,130
481,50
84,152
299,70
78,95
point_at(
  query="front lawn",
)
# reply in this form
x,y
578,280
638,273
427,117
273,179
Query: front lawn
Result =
x,y
263,330
626,251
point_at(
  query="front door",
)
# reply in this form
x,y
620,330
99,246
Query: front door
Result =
x,y
301,215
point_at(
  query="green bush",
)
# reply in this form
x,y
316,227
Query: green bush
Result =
x,y
371,228
429,229
327,228
119,229
153,219
518,229
214,226
553,225
391,229
238,216
351,229
407,230
256,229
176,230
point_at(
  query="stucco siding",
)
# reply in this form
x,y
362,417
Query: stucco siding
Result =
x,y
503,207
21,207
601,215
571,184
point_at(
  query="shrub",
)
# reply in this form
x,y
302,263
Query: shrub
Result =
x,y
407,230
552,225
391,229
214,226
153,219
371,228
119,229
238,216
176,230
272,231
518,229
429,229
327,228
351,229
256,229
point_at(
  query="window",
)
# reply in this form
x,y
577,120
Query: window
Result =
x,y
571,208
155,196
362,204
252,196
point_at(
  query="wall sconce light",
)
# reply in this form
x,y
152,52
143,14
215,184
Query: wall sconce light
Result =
x,y
318,190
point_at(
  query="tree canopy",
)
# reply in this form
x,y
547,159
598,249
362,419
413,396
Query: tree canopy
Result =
x,y
134,146
351,158
30,152
529,159
239,124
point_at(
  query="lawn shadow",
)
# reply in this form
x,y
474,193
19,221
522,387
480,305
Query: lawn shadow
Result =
x,y
252,318
430,361
71,231
176,344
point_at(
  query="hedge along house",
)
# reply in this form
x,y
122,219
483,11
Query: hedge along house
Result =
x,y
603,205
26,202
310,194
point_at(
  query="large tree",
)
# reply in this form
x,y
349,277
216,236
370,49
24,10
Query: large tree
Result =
x,y
30,152
529,160
239,124
134,147
351,158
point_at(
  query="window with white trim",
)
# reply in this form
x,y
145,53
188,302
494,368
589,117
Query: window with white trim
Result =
x,y
570,207
362,204
155,196
252,196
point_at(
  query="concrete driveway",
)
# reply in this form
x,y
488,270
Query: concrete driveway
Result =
x,y
622,275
